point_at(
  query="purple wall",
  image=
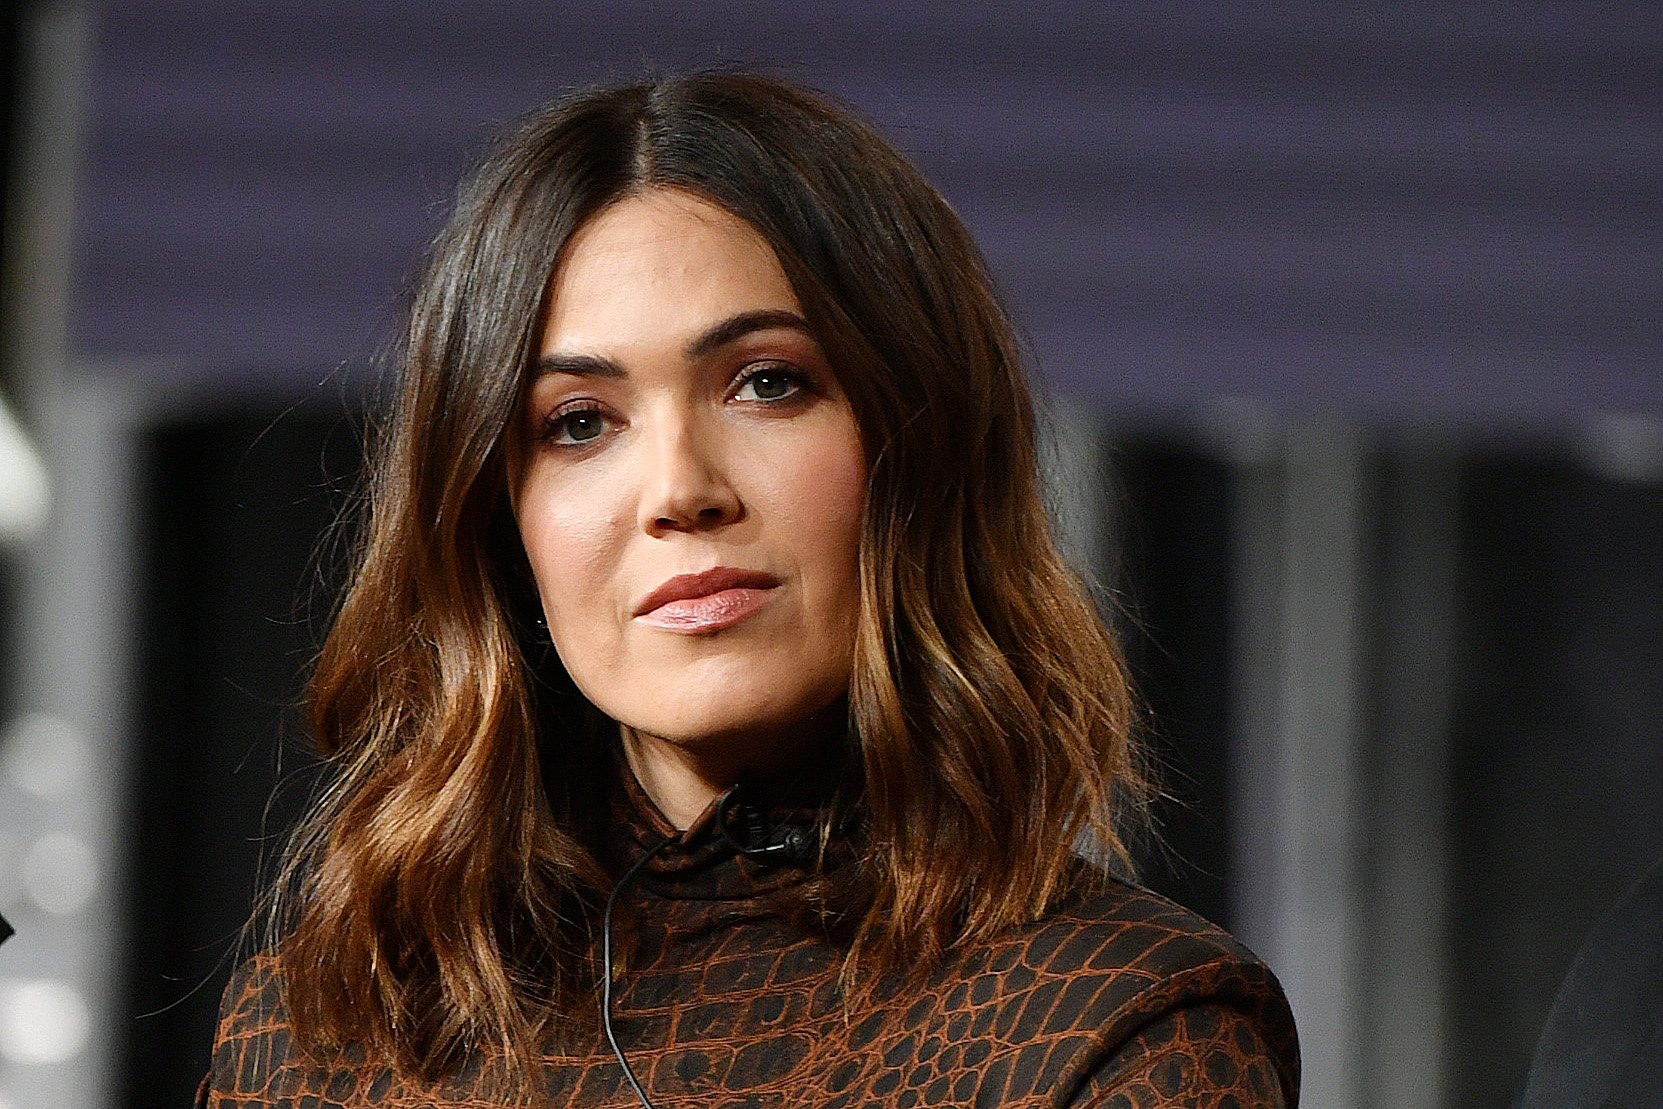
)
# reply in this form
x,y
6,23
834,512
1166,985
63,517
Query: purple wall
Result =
x,y
1416,216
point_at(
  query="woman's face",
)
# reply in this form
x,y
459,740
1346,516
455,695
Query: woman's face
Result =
x,y
693,486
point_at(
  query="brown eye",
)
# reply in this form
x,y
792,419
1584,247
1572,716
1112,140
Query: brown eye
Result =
x,y
769,383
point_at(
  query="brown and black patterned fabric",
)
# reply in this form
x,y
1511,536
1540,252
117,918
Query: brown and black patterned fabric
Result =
x,y
1123,1000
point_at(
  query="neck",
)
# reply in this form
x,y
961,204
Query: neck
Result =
x,y
681,786
683,778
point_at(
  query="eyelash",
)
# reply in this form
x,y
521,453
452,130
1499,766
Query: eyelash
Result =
x,y
559,421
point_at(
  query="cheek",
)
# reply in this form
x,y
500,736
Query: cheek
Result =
x,y
841,482
840,493
568,541
828,495
836,496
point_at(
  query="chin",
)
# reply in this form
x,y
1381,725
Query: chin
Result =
x,y
711,716
715,728
716,687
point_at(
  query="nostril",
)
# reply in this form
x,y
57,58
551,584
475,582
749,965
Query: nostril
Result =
x,y
714,515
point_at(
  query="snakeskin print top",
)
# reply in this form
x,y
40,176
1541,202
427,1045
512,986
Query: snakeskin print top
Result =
x,y
1122,1000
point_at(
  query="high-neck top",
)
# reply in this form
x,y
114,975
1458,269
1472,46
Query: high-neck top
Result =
x,y
699,863
725,998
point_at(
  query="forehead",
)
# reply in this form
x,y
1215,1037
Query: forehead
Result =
x,y
665,261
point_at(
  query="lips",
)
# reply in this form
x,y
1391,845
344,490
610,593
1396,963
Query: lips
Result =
x,y
707,601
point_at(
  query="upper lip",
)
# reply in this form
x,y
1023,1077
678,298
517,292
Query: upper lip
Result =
x,y
683,587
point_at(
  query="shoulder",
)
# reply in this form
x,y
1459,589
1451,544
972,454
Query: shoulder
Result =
x,y
1113,973
1143,949
255,1062
251,1042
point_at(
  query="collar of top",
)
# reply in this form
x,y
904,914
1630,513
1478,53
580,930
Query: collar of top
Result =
x,y
705,861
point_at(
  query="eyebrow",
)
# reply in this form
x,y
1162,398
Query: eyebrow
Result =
x,y
578,365
737,327
728,331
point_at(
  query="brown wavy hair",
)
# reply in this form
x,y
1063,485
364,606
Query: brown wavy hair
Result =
x,y
440,901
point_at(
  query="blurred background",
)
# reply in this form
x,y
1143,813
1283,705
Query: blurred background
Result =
x,y
1348,318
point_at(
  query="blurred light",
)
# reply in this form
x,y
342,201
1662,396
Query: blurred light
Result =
x,y
61,873
24,496
42,754
1624,447
42,1021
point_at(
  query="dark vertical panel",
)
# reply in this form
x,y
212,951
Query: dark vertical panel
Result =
x,y
1558,749
234,509
13,15
1176,571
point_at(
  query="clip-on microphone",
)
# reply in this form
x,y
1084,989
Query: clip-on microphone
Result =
x,y
740,824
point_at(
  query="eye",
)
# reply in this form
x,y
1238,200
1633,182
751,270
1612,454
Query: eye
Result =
x,y
574,426
769,382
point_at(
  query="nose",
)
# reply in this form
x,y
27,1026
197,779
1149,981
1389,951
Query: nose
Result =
x,y
686,487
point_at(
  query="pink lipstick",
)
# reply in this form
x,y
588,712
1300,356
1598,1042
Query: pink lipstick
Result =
x,y
708,601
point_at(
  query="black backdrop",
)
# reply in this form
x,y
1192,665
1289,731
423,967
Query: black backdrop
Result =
x,y
240,568
1558,694
237,586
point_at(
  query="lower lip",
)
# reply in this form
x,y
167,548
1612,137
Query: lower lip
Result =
x,y
709,613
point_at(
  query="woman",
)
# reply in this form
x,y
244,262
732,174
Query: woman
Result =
x,y
716,720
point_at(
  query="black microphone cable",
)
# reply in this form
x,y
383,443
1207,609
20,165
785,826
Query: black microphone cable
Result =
x,y
606,966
